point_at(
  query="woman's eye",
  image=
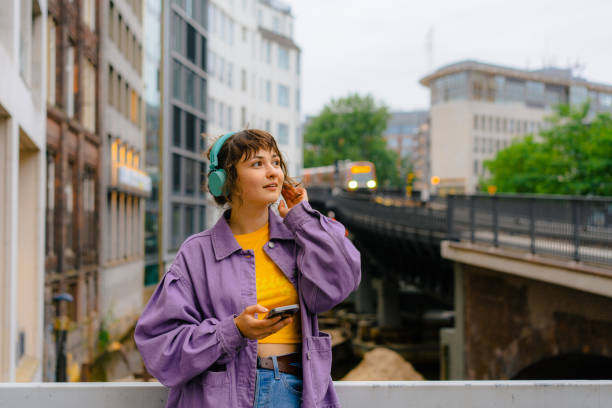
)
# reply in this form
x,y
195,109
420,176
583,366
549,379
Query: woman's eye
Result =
x,y
277,162
257,164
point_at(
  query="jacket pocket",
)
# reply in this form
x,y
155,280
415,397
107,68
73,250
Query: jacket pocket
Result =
x,y
319,355
215,378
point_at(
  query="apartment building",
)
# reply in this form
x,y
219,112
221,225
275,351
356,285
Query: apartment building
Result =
x,y
154,264
123,181
226,66
72,180
422,161
254,75
478,109
183,120
401,132
23,89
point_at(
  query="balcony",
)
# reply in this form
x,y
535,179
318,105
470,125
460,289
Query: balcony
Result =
x,y
353,394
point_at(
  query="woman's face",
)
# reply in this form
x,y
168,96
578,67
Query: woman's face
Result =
x,y
260,178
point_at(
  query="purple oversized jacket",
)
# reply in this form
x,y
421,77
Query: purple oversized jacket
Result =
x,y
187,336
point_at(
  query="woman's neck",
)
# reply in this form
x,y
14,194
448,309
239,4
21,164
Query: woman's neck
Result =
x,y
244,220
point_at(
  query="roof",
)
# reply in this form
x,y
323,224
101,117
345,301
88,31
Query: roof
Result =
x,y
551,75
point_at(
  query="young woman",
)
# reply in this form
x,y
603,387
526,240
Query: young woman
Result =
x,y
204,332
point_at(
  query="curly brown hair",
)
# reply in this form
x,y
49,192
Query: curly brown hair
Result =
x,y
242,146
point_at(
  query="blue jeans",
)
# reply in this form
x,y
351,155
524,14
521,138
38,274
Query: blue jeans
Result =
x,y
276,389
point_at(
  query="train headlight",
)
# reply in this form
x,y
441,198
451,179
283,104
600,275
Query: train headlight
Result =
x,y
371,183
352,184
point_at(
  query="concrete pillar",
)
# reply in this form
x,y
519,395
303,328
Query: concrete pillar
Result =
x,y
365,294
452,342
388,312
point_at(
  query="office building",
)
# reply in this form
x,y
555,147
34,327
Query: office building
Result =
x,y
125,185
478,109
23,90
72,179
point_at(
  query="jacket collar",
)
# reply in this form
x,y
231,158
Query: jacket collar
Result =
x,y
224,244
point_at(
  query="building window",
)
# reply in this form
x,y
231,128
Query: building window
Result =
x,y
190,131
176,126
190,88
89,13
210,64
211,110
268,50
177,33
202,218
134,114
297,100
230,72
283,95
283,57
230,121
243,80
268,126
475,122
189,176
243,116
191,43
268,91
189,220
176,226
88,101
221,115
51,76
203,53
283,134
176,173
203,95
71,76
176,79
50,214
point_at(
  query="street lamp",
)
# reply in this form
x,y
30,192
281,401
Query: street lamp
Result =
x,y
61,328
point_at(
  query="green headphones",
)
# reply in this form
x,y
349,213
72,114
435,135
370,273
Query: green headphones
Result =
x,y
217,176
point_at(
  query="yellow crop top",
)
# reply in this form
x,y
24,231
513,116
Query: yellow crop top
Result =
x,y
273,287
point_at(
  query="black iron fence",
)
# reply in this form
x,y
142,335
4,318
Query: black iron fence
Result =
x,y
578,228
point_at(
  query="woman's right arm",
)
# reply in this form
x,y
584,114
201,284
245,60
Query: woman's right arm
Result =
x,y
175,342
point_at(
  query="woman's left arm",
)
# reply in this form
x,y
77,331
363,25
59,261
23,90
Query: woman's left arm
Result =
x,y
329,263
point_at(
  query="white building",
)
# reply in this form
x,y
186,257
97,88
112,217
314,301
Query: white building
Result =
x,y
224,67
23,89
254,74
124,183
477,109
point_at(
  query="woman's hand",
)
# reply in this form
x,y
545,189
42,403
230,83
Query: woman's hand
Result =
x,y
293,196
254,329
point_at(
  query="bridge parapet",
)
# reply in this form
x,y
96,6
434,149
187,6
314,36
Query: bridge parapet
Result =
x,y
382,394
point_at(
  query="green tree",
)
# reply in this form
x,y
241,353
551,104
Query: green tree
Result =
x,y
572,156
351,128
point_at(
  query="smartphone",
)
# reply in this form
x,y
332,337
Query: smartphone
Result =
x,y
283,311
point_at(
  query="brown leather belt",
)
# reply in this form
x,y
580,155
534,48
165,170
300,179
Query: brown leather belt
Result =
x,y
284,363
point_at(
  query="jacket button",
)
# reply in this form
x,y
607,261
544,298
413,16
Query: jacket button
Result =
x,y
271,244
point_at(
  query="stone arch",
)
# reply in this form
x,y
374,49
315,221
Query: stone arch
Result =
x,y
571,366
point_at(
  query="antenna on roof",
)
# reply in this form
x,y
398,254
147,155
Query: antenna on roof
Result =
x,y
578,68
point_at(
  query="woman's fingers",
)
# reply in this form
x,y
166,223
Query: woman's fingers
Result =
x,y
276,327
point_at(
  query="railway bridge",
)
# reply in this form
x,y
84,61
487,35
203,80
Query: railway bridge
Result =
x,y
529,278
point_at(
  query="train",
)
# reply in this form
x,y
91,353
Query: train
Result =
x,y
351,176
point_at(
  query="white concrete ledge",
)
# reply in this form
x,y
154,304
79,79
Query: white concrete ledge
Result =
x,y
352,394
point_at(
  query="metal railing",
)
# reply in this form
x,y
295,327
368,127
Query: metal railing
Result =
x,y
354,394
576,228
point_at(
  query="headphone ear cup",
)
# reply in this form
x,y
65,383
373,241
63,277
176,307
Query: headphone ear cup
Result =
x,y
216,180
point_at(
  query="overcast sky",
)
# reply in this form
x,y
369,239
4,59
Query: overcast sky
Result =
x,y
379,46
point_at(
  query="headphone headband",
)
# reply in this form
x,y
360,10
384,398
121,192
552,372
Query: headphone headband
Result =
x,y
214,161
